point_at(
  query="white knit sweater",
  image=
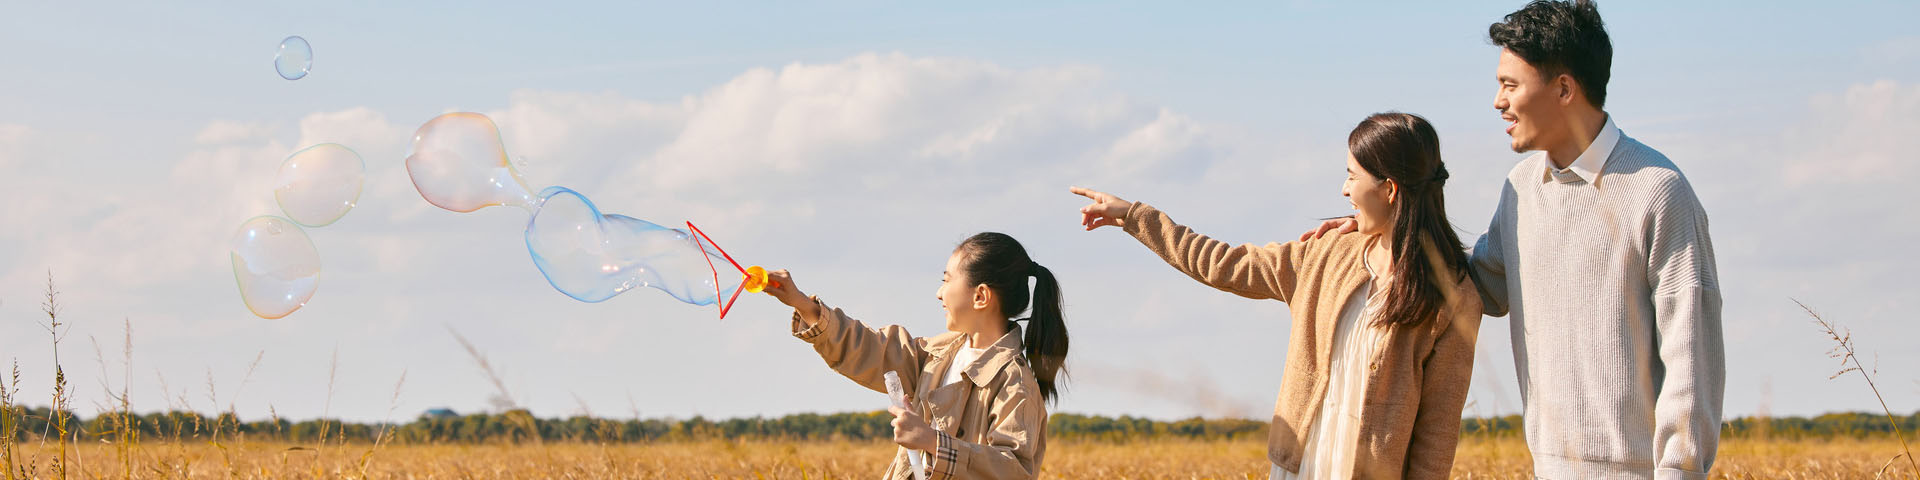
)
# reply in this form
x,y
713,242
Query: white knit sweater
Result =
x,y
1615,305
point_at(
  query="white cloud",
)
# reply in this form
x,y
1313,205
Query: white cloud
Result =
x,y
221,132
13,138
883,135
360,128
1865,135
1170,136
882,117
153,231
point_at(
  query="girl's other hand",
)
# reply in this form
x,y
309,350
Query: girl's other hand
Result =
x,y
1105,210
911,431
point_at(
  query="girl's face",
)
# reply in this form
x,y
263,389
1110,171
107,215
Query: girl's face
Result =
x,y
1372,199
959,297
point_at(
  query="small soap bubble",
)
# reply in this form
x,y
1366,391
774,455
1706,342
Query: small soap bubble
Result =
x,y
294,59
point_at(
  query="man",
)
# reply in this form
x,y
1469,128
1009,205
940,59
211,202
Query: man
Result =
x,y
1599,251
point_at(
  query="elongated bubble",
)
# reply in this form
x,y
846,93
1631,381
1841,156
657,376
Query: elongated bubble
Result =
x,y
592,256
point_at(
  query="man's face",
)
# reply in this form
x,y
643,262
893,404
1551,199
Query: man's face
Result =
x,y
1532,104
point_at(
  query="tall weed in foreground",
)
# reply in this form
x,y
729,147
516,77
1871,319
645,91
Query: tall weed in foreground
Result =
x,y
1843,350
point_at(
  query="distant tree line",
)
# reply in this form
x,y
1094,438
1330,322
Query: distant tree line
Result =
x,y
522,426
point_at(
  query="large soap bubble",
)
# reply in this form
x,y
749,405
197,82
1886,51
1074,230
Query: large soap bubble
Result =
x,y
458,163
319,184
275,264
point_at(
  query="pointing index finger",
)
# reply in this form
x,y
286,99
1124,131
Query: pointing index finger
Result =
x,y
1084,192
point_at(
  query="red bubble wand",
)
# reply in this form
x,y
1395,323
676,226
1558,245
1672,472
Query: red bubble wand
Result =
x,y
753,279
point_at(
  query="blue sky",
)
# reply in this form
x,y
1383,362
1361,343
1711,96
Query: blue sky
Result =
x,y
855,143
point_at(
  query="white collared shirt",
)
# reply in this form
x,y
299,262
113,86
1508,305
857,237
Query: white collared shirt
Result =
x,y
1590,162
962,357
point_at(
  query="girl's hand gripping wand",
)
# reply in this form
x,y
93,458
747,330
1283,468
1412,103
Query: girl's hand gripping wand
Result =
x,y
899,396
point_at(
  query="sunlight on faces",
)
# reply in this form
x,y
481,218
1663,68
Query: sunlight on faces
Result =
x,y
319,184
294,59
458,163
1371,198
967,304
275,264
1529,102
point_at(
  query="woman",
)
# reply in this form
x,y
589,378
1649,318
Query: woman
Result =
x,y
1384,318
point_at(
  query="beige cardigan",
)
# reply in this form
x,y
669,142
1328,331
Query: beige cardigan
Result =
x,y
1410,421
992,424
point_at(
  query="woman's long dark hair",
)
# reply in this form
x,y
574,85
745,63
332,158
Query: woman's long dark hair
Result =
x,y
1427,256
999,262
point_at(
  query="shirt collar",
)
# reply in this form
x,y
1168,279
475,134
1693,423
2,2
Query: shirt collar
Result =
x,y
997,356
1591,162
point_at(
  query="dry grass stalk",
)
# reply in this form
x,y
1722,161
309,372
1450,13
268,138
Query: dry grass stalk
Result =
x,y
61,400
10,426
502,399
1843,350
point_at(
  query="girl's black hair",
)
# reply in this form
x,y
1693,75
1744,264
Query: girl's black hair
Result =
x,y
999,262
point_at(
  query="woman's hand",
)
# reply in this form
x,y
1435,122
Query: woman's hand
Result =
x,y
911,431
1105,210
780,286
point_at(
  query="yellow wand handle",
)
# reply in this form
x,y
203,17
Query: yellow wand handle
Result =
x,y
757,279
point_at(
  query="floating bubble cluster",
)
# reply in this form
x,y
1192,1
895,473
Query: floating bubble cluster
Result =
x,y
274,261
459,163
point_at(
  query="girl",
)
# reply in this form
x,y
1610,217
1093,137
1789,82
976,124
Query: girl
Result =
x,y
1384,319
983,384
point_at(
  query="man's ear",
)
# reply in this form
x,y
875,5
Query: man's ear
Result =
x,y
1569,87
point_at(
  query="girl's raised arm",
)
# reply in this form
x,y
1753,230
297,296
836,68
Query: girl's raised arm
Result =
x,y
860,353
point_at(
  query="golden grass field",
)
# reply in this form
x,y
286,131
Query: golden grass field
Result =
x,y
1478,458
227,452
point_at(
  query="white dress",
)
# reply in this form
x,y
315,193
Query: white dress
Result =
x,y
1335,433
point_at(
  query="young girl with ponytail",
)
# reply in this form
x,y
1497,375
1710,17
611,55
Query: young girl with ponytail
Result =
x,y
1384,318
978,392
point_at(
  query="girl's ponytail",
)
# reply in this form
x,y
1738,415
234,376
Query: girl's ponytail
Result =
x,y
999,262
1046,340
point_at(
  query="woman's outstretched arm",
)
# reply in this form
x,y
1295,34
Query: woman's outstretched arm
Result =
x,y
1248,270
